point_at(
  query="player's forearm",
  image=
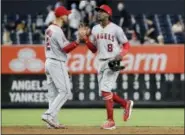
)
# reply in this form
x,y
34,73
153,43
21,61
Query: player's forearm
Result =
x,y
90,45
149,31
71,46
125,49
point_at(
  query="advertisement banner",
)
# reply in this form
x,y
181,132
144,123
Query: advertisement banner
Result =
x,y
140,59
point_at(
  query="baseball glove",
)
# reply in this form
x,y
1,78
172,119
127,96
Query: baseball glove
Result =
x,y
115,65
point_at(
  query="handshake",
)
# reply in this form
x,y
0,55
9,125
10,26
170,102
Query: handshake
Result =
x,y
83,32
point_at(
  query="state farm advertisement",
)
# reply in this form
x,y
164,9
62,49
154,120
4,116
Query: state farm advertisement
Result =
x,y
27,59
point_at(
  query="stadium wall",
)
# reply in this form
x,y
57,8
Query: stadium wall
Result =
x,y
154,77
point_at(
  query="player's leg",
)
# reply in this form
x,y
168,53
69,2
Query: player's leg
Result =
x,y
61,80
50,115
105,91
116,98
52,94
56,71
126,104
52,90
66,81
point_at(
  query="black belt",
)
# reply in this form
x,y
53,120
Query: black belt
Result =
x,y
104,59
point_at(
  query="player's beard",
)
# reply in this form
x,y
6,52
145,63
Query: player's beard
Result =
x,y
102,18
65,20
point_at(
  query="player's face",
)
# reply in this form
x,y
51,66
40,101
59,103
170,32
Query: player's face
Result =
x,y
102,16
65,19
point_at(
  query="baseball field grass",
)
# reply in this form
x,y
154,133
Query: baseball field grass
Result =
x,y
90,119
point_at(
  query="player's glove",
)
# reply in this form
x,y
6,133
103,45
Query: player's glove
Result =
x,y
115,65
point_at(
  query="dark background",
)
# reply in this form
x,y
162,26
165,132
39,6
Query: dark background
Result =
x,y
133,6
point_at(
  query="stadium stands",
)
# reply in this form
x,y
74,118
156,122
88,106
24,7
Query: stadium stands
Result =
x,y
33,34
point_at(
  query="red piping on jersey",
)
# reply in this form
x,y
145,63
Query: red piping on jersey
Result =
x,y
125,49
90,45
70,47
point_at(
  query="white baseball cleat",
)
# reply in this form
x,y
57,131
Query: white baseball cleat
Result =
x,y
128,110
51,123
61,126
109,125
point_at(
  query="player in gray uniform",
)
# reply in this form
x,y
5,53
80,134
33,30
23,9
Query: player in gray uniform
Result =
x,y
57,47
111,44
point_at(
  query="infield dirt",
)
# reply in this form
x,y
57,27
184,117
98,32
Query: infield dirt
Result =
x,y
90,130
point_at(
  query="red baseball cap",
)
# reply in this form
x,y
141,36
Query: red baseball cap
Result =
x,y
105,8
60,11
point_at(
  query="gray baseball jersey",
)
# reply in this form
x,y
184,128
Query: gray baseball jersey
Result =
x,y
55,40
108,41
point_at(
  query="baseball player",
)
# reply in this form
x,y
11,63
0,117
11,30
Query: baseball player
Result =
x,y
57,47
111,44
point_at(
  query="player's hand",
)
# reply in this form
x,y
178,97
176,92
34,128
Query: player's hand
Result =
x,y
119,57
83,31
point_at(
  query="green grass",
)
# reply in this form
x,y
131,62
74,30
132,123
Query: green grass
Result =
x,y
95,117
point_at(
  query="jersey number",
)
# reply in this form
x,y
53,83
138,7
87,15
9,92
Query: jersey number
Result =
x,y
109,48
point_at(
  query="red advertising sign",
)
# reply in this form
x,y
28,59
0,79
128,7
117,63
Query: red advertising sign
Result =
x,y
140,59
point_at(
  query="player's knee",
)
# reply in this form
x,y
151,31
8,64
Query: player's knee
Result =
x,y
106,86
62,91
51,94
65,92
106,95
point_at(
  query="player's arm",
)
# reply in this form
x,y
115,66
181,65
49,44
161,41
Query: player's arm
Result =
x,y
123,41
90,44
125,48
69,46
90,41
64,44
82,32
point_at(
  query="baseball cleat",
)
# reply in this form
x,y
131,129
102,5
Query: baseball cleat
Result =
x,y
61,126
48,126
109,125
128,110
51,122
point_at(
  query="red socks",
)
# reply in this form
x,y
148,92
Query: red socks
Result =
x,y
107,96
119,100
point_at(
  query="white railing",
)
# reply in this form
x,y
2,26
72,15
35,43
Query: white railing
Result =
x,y
158,24
170,24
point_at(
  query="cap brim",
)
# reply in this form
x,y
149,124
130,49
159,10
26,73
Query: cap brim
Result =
x,y
99,9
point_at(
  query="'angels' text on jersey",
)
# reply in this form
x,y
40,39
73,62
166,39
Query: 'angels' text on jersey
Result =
x,y
105,36
108,40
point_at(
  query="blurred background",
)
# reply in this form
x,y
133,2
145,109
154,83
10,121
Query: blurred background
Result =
x,y
155,73
144,21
